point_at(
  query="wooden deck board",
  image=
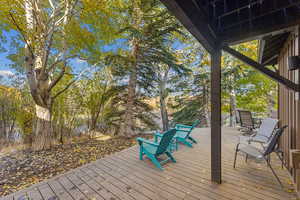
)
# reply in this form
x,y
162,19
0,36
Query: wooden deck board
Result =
x,y
116,179
166,178
177,193
60,192
203,186
35,194
89,192
71,188
94,181
181,169
122,176
46,192
110,186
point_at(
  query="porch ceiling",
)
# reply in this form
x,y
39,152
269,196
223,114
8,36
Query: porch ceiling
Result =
x,y
234,21
270,47
219,23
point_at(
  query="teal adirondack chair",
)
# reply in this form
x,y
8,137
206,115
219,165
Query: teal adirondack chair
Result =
x,y
183,134
152,149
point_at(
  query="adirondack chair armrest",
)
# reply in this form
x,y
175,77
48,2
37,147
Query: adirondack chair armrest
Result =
x,y
142,140
180,130
158,134
182,126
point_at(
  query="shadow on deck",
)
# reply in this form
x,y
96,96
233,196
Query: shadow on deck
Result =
x,y
123,176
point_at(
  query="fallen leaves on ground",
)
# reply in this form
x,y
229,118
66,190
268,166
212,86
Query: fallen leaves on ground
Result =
x,y
24,168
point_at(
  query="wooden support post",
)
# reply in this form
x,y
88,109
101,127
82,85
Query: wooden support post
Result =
x,y
216,115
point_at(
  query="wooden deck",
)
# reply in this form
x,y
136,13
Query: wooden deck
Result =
x,y
122,176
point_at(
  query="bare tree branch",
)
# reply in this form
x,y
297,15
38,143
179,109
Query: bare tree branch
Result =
x,y
48,48
69,84
58,60
22,33
58,78
52,4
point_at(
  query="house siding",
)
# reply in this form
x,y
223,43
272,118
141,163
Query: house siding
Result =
x,y
289,105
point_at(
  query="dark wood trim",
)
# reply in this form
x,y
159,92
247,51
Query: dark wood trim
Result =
x,y
194,20
236,37
275,57
216,116
273,75
261,45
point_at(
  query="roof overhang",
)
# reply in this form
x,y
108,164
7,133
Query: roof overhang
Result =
x,y
193,18
218,22
270,47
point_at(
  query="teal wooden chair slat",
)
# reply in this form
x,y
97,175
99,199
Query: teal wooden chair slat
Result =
x,y
173,144
154,149
183,134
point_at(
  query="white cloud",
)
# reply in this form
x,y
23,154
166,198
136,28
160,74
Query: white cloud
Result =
x,y
6,73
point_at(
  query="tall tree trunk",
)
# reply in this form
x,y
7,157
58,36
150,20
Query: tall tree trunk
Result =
x,y
127,129
162,100
232,100
11,128
37,50
38,82
98,109
128,126
206,105
93,123
232,108
94,117
43,138
3,122
271,104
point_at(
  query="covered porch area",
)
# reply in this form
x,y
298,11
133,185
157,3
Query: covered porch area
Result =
x,y
219,25
123,176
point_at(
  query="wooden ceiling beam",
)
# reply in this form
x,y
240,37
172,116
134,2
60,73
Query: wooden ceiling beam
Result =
x,y
271,11
236,37
261,45
236,10
195,21
271,74
271,60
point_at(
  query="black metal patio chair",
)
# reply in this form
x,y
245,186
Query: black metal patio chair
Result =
x,y
261,154
246,121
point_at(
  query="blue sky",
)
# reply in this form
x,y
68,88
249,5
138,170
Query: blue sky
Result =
x,y
4,62
77,64
5,69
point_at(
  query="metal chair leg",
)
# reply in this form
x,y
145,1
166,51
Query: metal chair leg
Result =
x,y
269,165
235,155
280,156
281,159
269,159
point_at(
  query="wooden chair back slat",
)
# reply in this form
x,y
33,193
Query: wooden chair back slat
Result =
x,y
165,141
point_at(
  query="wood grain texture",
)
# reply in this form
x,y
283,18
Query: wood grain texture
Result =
x,y
289,107
123,176
216,175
